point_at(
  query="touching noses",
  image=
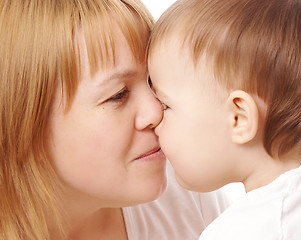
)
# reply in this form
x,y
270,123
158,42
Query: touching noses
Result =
x,y
157,128
150,111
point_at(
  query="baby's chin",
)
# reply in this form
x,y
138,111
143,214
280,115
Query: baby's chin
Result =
x,y
193,185
184,183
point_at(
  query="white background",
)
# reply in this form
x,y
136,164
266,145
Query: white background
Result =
x,y
157,7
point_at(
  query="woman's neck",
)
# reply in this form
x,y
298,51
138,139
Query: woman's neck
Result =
x,y
105,223
84,217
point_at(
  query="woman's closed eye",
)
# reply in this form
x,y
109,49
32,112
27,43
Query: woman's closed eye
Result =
x,y
119,97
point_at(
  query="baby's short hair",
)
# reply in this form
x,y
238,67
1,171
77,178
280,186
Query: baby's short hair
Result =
x,y
253,45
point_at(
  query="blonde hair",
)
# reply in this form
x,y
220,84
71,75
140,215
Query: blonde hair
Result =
x,y
38,51
253,45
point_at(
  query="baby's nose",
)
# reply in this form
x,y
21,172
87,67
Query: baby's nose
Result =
x,y
157,128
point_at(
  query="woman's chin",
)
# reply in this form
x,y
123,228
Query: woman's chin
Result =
x,y
149,192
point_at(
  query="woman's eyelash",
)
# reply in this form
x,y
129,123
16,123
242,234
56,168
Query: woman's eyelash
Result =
x,y
119,96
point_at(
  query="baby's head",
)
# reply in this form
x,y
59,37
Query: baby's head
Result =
x,y
229,73
46,47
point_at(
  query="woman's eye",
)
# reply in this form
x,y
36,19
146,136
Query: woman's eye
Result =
x,y
120,96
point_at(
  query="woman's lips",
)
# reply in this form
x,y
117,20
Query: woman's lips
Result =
x,y
151,155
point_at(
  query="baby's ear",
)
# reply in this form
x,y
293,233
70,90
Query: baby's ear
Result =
x,y
243,116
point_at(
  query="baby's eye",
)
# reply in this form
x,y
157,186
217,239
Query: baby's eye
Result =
x,y
165,107
149,82
120,96
150,85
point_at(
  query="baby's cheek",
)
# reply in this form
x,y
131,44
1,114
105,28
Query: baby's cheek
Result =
x,y
170,146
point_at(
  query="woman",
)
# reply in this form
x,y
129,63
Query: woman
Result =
x,y
77,119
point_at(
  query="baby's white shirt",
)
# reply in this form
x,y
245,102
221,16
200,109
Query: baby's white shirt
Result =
x,y
272,212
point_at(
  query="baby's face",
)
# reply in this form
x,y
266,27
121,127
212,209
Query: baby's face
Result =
x,y
192,133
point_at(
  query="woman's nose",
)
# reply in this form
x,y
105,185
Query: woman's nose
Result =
x,y
150,111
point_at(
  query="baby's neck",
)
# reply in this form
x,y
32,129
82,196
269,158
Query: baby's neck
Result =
x,y
266,169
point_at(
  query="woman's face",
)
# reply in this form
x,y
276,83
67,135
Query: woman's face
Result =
x,y
105,148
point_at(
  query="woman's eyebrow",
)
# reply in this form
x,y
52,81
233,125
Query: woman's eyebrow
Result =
x,y
120,74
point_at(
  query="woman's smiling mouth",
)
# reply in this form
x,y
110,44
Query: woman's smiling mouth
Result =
x,y
151,155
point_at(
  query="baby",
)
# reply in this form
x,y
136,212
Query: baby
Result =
x,y
228,74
